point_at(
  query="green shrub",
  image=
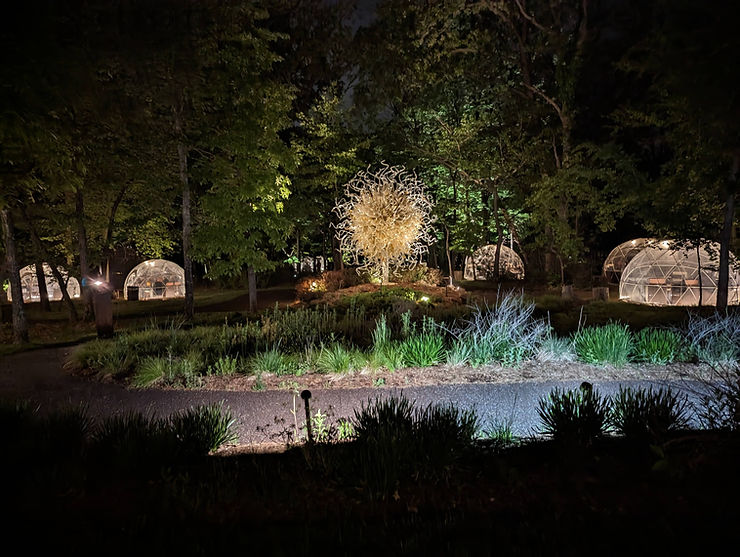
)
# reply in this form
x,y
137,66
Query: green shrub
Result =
x,y
338,359
423,350
658,346
150,371
606,344
202,429
389,356
225,365
272,361
645,414
574,416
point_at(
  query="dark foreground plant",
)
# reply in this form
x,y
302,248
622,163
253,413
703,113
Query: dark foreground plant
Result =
x,y
574,416
395,439
647,414
202,429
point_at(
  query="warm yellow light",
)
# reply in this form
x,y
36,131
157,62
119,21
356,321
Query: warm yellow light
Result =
x,y
424,299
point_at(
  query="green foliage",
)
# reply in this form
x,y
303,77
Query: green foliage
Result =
x,y
337,359
423,350
225,365
648,415
658,346
606,344
272,361
574,416
202,429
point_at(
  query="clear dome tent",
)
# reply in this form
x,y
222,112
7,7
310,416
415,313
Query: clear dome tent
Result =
x,y
663,275
480,266
30,285
620,256
156,279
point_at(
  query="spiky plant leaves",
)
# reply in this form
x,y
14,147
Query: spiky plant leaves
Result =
x,y
647,414
574,416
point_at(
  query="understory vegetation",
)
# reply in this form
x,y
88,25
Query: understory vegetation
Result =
x,y
430,478
393,329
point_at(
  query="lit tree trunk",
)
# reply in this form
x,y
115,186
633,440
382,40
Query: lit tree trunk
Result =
x,y
726,235
20,324
82,246
499,236
698,262
43,293
252,287
187,263
447,251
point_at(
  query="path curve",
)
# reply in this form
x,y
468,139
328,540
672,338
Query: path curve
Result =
x,y
267,416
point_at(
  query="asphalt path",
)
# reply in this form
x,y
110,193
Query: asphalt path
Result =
x,y
270,416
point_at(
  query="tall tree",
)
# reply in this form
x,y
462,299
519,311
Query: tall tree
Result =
x,y
686,121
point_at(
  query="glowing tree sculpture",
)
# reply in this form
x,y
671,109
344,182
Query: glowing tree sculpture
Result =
x,y
385,220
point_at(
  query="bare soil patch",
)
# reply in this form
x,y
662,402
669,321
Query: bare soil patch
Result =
x,y
531,371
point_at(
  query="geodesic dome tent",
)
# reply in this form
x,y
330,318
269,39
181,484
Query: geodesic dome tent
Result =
x,y
30,285
480,265
663,275
620,256
156,279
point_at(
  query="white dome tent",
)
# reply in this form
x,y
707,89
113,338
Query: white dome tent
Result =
x,y
620,256
30,285
666,275
480,265
156,279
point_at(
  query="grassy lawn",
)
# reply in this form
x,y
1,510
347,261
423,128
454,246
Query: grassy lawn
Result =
x,y
54,329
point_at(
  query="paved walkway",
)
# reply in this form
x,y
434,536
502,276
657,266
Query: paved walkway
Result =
x,y
261,416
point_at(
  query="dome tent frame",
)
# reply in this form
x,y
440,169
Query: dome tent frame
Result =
x,y
621,255
30,286
665,274
480,265
156,279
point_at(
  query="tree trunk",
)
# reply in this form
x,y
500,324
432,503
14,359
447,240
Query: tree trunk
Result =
x,y
187,264
20,324
43,293
447,251
109,229
701,286
726,235
82,246
44,254
499,236
252,286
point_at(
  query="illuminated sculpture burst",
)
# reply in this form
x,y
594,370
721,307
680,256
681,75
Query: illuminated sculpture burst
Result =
x,y
385,220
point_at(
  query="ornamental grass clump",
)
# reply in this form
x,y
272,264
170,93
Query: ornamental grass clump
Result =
x,y
606,344
577,416
335,358
715,340
647,414
202,429
506,333
658,346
